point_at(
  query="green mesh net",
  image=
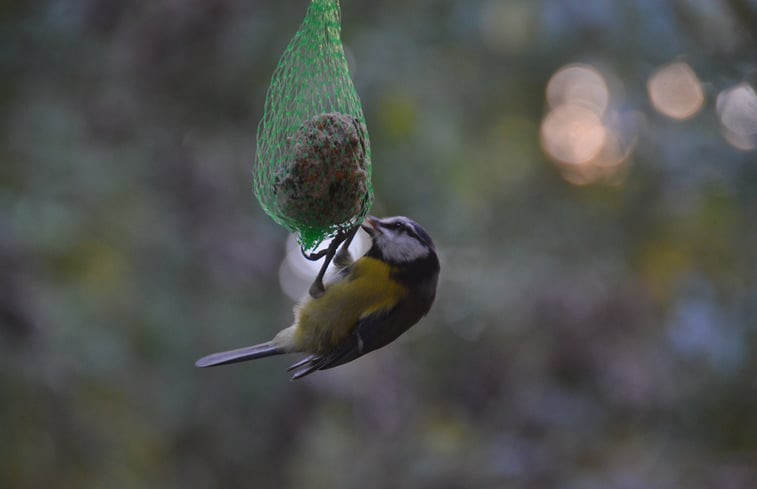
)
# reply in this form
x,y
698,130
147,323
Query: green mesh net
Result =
x,y
312,172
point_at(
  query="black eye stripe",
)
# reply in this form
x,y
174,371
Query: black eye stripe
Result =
x,y
421,236
403,228
397,226
411,232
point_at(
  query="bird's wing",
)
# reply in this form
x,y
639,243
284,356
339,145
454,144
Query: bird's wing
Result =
x,y
371,332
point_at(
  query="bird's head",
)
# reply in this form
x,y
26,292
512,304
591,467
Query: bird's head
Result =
x,y
398,240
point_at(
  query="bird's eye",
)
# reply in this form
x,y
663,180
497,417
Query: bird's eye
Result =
x,y
397,225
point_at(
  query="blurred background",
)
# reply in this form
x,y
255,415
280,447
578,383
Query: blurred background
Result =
x,y
587,169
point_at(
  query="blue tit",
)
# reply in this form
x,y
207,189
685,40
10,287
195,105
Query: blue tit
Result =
x,y
366,305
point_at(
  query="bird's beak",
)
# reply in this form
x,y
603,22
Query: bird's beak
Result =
x,y
371,226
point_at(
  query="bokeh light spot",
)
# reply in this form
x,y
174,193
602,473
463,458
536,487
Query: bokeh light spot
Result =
x,y
578,84
737,109
572,134
586,140
675,91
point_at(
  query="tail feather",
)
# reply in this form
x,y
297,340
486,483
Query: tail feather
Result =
x,y
266,349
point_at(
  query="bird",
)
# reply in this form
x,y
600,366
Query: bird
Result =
x,y
367,304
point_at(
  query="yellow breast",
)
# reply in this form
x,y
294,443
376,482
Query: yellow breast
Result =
x,y
323,323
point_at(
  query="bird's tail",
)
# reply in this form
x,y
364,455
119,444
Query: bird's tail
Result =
x,y
266,349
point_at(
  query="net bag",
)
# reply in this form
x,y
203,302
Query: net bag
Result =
x,y
312,171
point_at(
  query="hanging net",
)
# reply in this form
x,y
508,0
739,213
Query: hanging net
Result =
x,y
312,172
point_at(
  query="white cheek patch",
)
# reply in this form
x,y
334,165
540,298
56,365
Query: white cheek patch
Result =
x,y
401,247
